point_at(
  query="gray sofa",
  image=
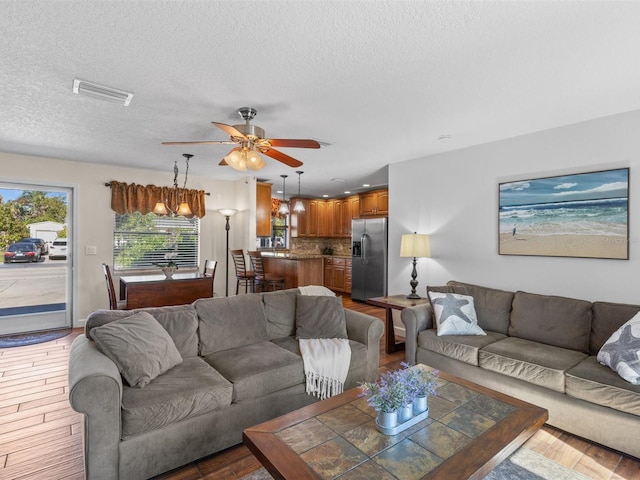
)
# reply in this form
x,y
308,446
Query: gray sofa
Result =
x,y
241,365
541,349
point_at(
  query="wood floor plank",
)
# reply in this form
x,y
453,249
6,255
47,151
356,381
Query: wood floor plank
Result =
x,y
30,397
71,444
44,401
20,424
38,438
6,390
43,409
61,470
14,393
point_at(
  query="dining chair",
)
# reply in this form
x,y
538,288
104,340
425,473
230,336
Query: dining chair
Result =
x,y
114,303
243,275
209,270
264,281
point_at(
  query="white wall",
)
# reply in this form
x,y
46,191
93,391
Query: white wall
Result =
x,y
95,217
454,197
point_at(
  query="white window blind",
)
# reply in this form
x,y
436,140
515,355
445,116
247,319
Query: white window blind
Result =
x,y
142,241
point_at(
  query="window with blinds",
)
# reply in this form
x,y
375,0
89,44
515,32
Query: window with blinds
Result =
x,y
144,241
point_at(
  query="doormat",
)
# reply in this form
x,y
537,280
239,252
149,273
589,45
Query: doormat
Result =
x,y
31,338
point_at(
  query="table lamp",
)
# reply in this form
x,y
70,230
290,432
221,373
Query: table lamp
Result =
x,y
414,245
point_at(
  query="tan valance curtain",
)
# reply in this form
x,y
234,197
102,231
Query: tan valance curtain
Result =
x,y
129,198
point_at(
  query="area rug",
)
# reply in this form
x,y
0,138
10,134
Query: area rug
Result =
x,y
31,338
524,464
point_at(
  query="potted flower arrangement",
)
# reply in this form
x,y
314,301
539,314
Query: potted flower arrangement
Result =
x,y
168,269
400,394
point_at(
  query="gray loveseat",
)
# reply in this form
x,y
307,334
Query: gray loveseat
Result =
x,y
541,349
240,366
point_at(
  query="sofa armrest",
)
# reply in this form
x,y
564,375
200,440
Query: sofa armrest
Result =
x,y
95,389
367,330
415,320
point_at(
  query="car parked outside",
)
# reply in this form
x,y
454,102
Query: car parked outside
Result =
x,y
22,252
58,249
40,243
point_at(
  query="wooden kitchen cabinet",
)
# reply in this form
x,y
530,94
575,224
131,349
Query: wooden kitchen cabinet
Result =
x,y
263,209
374,203
335,273
323,219
354,207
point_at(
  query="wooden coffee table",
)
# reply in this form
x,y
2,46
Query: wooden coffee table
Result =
x,y
469,431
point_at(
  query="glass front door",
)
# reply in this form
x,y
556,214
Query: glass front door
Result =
x,y
35,276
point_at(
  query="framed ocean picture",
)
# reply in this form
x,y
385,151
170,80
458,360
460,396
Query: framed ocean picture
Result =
x,y
581,215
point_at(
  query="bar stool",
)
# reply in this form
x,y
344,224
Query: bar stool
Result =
x,y
263,279
242,274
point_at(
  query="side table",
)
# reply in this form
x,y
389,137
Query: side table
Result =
x,y
390,303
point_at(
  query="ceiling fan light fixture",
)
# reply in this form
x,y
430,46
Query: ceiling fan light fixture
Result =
x,y
254,161
236,161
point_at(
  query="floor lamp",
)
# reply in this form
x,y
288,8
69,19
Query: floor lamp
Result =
x,y
414,245
227,213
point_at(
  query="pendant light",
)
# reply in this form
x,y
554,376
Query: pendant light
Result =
x,y
299,206
162,208
284,207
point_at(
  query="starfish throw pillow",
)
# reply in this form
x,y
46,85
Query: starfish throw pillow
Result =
x,y
621,352
455,314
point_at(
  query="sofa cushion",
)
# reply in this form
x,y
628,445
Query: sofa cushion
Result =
x,y
595,383
258,369
139,346
280,309
529,361
493,306
621,352
230,322
320,317
459,347
180,321
189,389
358,350
607,318
455,314
558,321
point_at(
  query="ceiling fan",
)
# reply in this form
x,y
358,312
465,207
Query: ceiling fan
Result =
x,y
251,140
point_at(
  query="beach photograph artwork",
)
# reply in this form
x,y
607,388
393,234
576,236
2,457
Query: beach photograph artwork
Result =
x,y
580,215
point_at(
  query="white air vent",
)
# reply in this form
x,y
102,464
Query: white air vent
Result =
x,y
82,87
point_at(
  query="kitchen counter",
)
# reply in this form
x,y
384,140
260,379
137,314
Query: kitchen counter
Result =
x,y
297,270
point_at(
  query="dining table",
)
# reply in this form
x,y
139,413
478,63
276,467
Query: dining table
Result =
x,y
157,290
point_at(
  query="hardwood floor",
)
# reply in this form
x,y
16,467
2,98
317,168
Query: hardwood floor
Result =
x,y
41,436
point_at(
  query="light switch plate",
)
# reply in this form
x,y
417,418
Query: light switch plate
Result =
x,y
90,250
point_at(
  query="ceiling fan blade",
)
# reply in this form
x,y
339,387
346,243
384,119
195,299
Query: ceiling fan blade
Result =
x,y
281,157
281,142
204,142
231,131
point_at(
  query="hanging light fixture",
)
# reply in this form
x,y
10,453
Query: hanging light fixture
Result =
x,y
243,158
299,206
284,207
162,208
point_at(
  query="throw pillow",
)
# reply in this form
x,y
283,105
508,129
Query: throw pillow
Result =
x,y
455,314
621,352
320,317
139,346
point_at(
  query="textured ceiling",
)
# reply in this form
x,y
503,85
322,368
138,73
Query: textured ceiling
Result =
x,y
378,80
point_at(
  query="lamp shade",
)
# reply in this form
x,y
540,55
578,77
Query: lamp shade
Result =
x,y
227,212
415,245
160,209
183,209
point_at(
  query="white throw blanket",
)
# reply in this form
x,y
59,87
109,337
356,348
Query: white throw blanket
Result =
x,y
317,290
326,365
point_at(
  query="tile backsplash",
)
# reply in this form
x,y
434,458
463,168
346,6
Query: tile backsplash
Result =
x,y
308,246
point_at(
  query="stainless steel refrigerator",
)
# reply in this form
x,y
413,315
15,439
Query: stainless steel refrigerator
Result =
x,y
368,258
